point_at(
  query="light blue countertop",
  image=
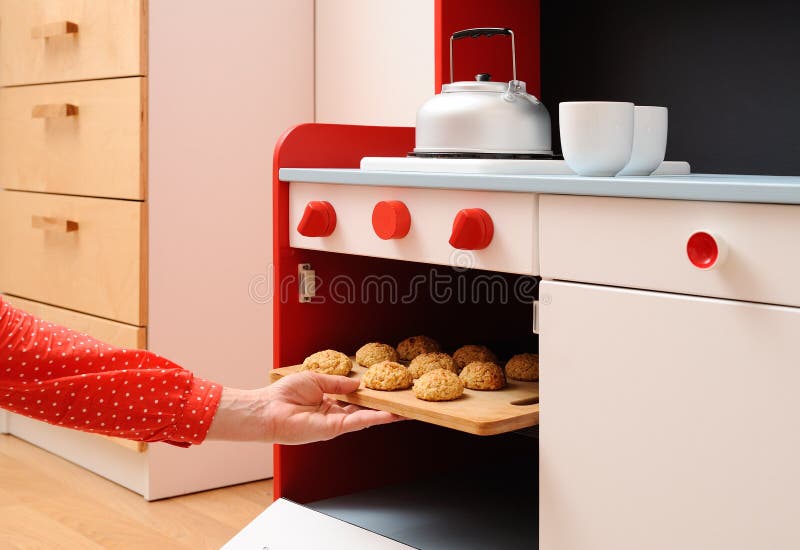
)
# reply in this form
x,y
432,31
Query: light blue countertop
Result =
x,y
696,187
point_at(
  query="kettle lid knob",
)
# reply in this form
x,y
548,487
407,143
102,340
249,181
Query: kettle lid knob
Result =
x,y
483,77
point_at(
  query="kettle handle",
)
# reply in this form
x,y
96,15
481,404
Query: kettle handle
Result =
x,y
484,31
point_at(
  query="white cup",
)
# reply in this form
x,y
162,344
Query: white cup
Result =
x,y
596,136
649,141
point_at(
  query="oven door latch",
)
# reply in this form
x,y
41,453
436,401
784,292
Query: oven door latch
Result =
x,y
306,283
536,316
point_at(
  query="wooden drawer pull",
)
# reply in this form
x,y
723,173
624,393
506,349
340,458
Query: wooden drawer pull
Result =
x,y
54,29
59,225
54,110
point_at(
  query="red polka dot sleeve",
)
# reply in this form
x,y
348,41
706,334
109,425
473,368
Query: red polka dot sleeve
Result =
x,y
55,374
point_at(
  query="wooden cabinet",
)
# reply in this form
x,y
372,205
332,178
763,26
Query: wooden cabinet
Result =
x,y
666,421
135,205
66,137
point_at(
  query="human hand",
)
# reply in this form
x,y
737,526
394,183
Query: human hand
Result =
x,y
293,410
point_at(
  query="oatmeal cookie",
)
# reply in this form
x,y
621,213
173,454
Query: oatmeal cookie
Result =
x,y
523,366
470,353
438,385
388,376
372,353
328,362
425,362
413,346
483,375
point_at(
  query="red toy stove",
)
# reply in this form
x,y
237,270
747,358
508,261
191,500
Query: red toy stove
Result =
x,y
389,298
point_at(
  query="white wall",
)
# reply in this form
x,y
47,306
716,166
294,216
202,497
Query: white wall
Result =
x,y
225,80
374,60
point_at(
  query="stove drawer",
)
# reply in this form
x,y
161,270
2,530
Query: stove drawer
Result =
x,y
727,250
512,242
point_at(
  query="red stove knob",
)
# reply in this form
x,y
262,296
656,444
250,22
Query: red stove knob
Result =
x,y
319,220
472,229
705,250
391,220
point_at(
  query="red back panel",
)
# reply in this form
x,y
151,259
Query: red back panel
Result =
x,y
488,55
297,472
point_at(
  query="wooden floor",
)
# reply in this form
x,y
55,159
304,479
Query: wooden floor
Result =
x,y
47,502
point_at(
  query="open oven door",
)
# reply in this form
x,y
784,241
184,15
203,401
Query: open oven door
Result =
x,y
286,525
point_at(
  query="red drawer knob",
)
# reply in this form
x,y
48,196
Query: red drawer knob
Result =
x,y
319,220
391,220
705,250
472,229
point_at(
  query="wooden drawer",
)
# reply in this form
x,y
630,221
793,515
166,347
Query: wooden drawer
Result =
x,y
111,332
80,138
80,253
60,40
513,246
642,243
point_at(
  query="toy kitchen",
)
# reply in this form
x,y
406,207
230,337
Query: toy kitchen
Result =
x,y
664,309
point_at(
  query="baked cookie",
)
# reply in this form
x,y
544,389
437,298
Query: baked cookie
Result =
x,y
483,375
438,385
372,353
471,353
328,362
426,362
411,347
523,366
387,376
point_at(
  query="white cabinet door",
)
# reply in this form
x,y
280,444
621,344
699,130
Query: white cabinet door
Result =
x,y
667,421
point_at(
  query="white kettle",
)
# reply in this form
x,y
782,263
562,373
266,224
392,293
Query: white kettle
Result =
x,y
483,118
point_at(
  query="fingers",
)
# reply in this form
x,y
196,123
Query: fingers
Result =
x,y
350,408
330,383
365,418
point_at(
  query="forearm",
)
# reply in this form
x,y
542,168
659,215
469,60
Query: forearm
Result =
x,y
242,415
69,379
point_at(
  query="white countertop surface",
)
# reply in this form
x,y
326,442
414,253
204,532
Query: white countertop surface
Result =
x,y
696,187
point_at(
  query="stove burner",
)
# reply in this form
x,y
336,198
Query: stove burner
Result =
x,y
460,155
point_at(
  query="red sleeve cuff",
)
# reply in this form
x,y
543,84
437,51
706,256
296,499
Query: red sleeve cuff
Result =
x,y
198,410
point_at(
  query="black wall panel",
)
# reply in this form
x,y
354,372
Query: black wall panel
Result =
x,y
728,71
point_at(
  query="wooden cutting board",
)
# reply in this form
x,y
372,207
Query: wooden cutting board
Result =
x,y
477,412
